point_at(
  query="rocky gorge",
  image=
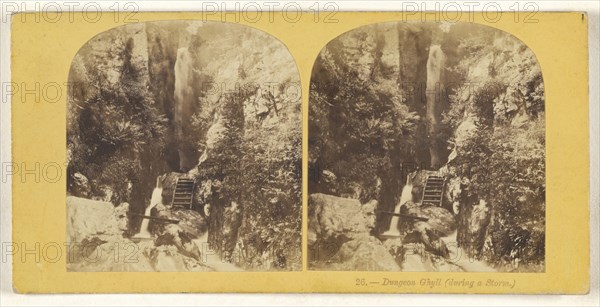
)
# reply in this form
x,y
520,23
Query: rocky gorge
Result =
x,y
396,105
215,104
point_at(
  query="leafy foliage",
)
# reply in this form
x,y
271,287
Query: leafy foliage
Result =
x,y
503,154
113,122
359,127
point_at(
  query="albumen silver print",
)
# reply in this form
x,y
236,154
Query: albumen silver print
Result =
x,y
184,150
426,151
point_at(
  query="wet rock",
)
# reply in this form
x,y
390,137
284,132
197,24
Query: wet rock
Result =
x,y
175,236
215,134
440,219
395,248
81,185
121,213
202,195
190,221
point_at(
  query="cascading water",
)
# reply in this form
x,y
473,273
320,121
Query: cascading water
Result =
x,y
435,65
404,197
183,104
155,200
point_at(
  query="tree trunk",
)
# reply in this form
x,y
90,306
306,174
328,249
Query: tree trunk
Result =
x,y
215,225
473,221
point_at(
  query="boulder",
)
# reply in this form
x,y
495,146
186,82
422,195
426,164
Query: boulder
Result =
x,y
190,221
335,218
339,236
440,219
90,218
174,236
364,253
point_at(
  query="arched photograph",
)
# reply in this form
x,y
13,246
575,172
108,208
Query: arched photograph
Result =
x,y
426,151
184,150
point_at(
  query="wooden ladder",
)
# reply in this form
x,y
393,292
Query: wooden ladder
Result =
x,y
434,190
184,193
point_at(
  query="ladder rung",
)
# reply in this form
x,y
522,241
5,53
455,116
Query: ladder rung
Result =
x,y
184,192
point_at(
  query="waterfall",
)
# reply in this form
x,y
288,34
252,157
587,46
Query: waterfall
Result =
x,y
183,104
435,64
155,200
404,197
